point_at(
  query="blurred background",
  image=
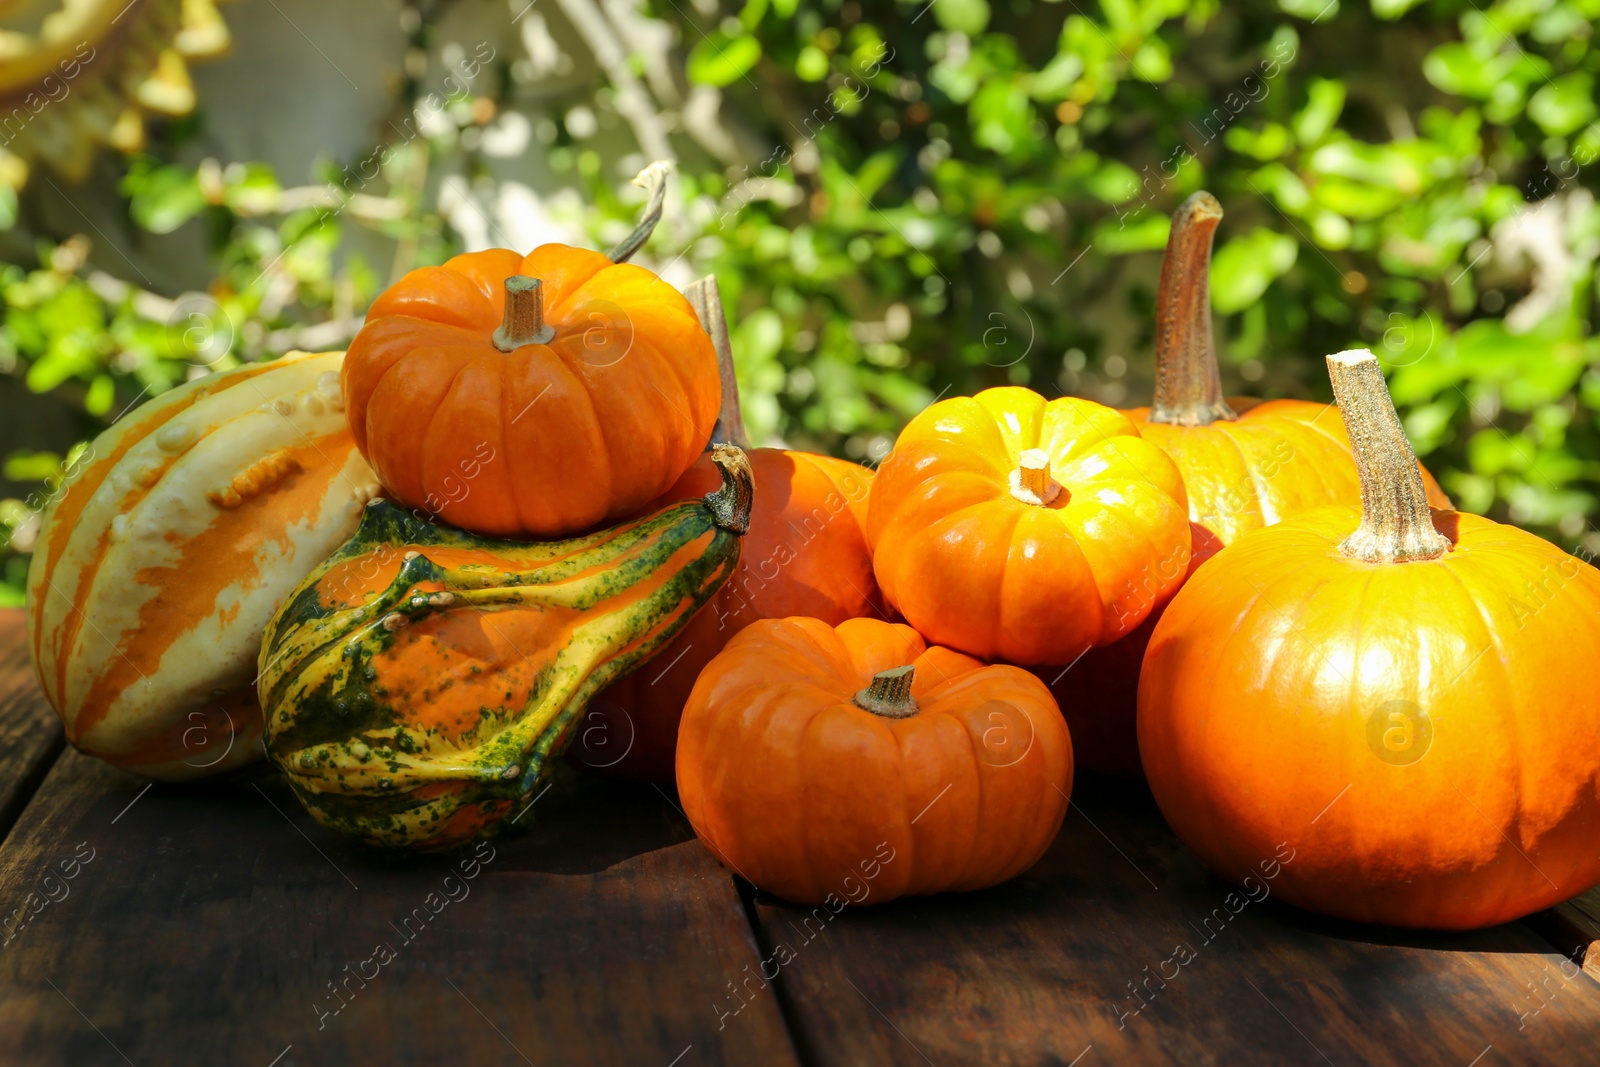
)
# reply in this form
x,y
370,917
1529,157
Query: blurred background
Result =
x,y
900,200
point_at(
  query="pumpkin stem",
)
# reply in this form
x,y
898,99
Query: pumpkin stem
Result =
x,y
1188,386
524,317
730,504
706,299
1396,522
653,180
1031,482
889,694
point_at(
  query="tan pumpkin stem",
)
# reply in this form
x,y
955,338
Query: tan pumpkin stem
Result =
x,y
1031,482
1188,386
653,180
1396,522
524,316
730,504
889,695
706,299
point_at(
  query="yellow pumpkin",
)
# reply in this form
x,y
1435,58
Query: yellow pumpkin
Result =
x,y
169,547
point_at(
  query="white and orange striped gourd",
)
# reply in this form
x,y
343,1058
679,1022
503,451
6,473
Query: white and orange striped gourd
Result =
x,y
169,547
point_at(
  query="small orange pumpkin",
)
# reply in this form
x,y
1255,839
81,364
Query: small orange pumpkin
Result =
x,y
858,763
1395,707
804,554
1015,528
1246,464
531,396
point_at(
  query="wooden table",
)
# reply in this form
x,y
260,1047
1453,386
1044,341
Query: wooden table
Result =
x,y
216,924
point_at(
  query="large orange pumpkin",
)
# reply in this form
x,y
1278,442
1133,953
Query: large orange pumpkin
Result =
x,y
805,554
1015,528
170,546
1387,693
1246,464
859,764
530,396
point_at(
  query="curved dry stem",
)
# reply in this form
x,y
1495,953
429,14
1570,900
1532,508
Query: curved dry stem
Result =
x,y
706,299
730,503
1188,388
653,180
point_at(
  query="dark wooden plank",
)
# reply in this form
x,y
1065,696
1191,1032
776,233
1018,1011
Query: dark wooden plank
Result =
x,y
30,733
209,921
1574,928
1052,969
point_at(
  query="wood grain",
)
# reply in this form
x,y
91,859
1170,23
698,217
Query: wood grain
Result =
x,y
1051,969
30,733
211,919
1574,928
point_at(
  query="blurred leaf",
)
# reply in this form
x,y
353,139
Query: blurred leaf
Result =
x,y
1242,269
1564,105
962,16
721,60
164,198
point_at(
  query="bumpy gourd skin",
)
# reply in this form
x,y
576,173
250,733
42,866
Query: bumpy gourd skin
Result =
x,y
417,685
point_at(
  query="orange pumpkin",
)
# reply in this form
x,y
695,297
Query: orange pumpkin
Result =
x,y
1387,695
1015,528
1246,464
805,554
859,764
530,396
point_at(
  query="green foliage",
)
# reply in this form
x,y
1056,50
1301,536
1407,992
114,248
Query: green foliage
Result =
x,y
966,193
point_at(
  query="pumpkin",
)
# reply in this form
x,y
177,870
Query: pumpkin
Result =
x,y
1387,694
168,547
805,554
859,763
1011,527
530,396
417,685
1246,464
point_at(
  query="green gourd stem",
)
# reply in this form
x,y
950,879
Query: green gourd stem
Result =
x,y
889,695
1396,521
1188,388
653,180
524,315
730,503
706,299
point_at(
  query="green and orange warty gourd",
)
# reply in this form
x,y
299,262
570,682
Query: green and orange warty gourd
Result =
x,y
1246,464
805,554
1011,527
1388,691
532,396
860,764
168,548
417,685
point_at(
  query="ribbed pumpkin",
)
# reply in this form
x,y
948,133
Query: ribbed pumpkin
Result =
x,y
858,763
1246,464
805,554
1011,527
531,396
1393,692
168,549
418,683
